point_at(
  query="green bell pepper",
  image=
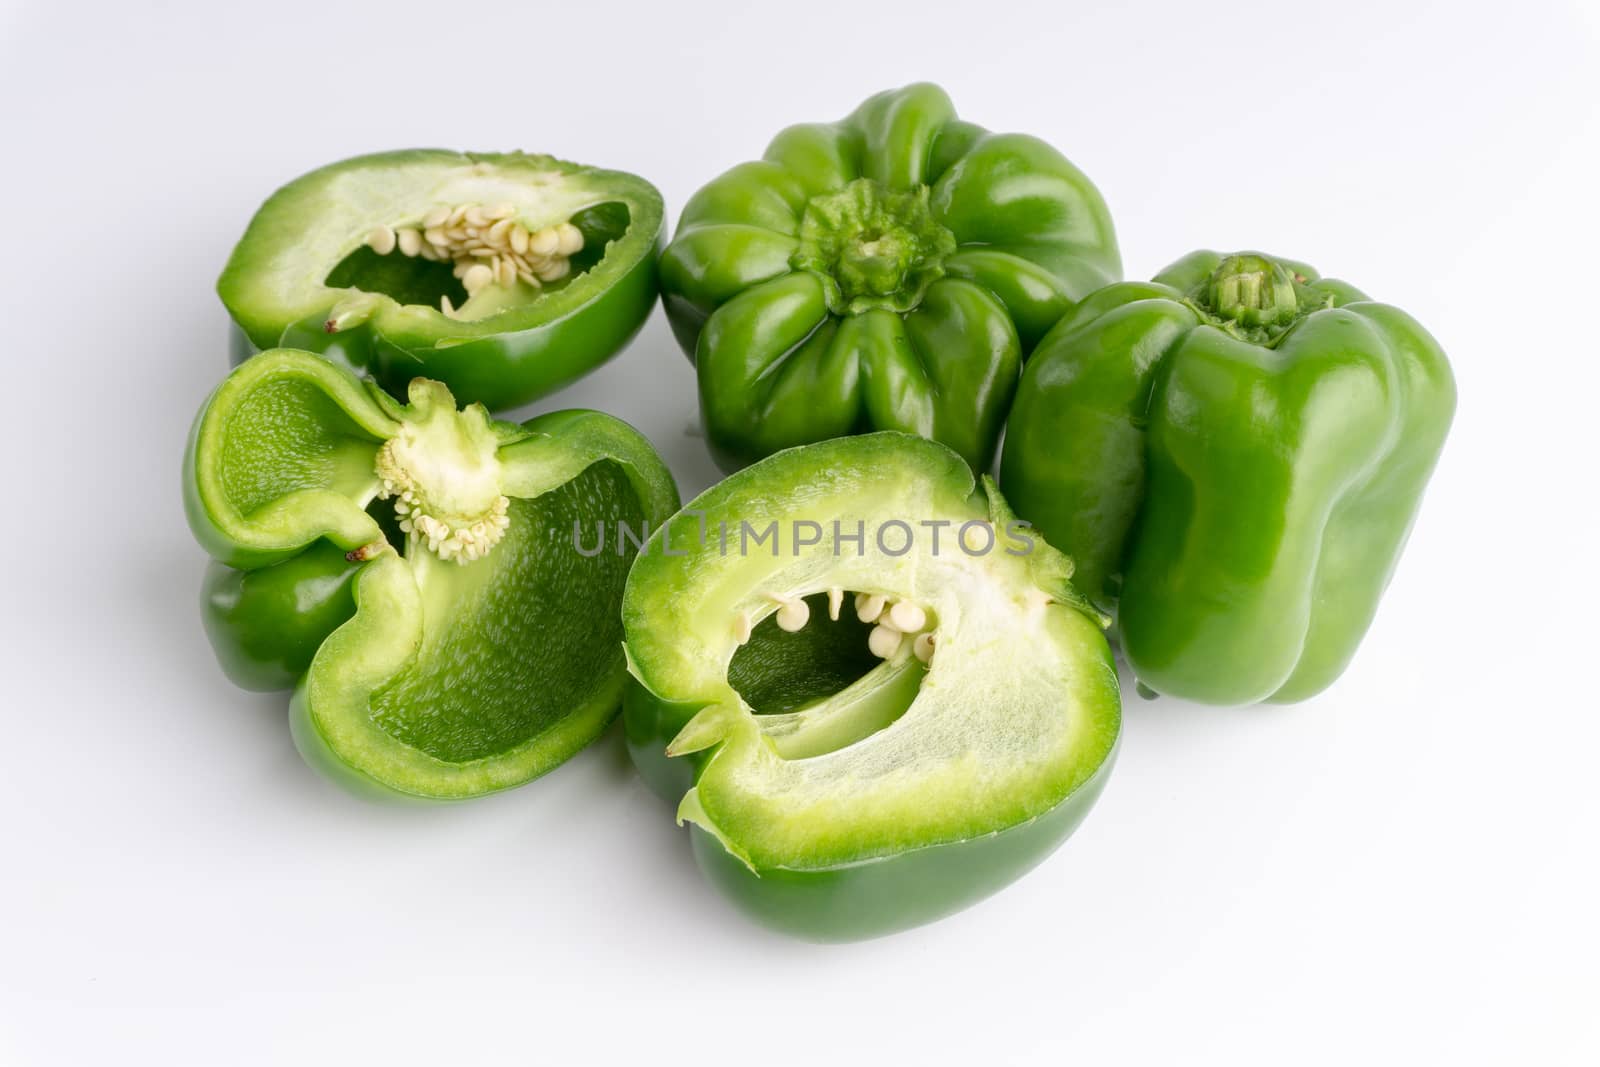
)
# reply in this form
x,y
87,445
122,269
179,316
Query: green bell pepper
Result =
x,y
417,571
1234,455
266,625
889,271
503,276
875,697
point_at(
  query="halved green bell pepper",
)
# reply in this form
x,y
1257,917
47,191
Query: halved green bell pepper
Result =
x,y
889,271
505,276
889,707
1234,455
417,571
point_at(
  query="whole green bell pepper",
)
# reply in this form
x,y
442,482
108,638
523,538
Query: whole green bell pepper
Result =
x,y
417,571
503,276
872,694
889,271
1234,455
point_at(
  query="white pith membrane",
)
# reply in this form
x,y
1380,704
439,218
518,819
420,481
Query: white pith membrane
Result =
x,y
489,245
913,621
442,469
992,735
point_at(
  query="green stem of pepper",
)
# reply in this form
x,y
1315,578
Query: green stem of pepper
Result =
x,y
1252,290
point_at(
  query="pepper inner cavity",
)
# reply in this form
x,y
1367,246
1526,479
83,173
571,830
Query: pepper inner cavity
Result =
x,y
806,648
454,253
487,245
825,671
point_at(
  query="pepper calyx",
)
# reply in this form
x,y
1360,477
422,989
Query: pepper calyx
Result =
x,y
873,247
1255,298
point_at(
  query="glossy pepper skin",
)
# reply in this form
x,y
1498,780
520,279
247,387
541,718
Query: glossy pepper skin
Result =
x,y
266,625
834,809
434,653
1234,454
889,271
302,276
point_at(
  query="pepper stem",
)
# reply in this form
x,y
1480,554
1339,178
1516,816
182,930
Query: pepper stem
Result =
x,y
875,266
1252,290
872,247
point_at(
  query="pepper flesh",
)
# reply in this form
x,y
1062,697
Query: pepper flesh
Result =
x,y
888,271
418,673
1234,454
914,790
308,272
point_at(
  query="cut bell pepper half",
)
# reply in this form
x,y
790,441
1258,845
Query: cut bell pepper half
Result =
x,y
890,706
504,276
417,571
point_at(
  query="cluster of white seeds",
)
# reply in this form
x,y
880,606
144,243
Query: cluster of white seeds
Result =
x,y
895,621
460,543
488,246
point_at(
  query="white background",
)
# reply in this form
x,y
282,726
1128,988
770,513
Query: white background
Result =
x,y
1402,870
